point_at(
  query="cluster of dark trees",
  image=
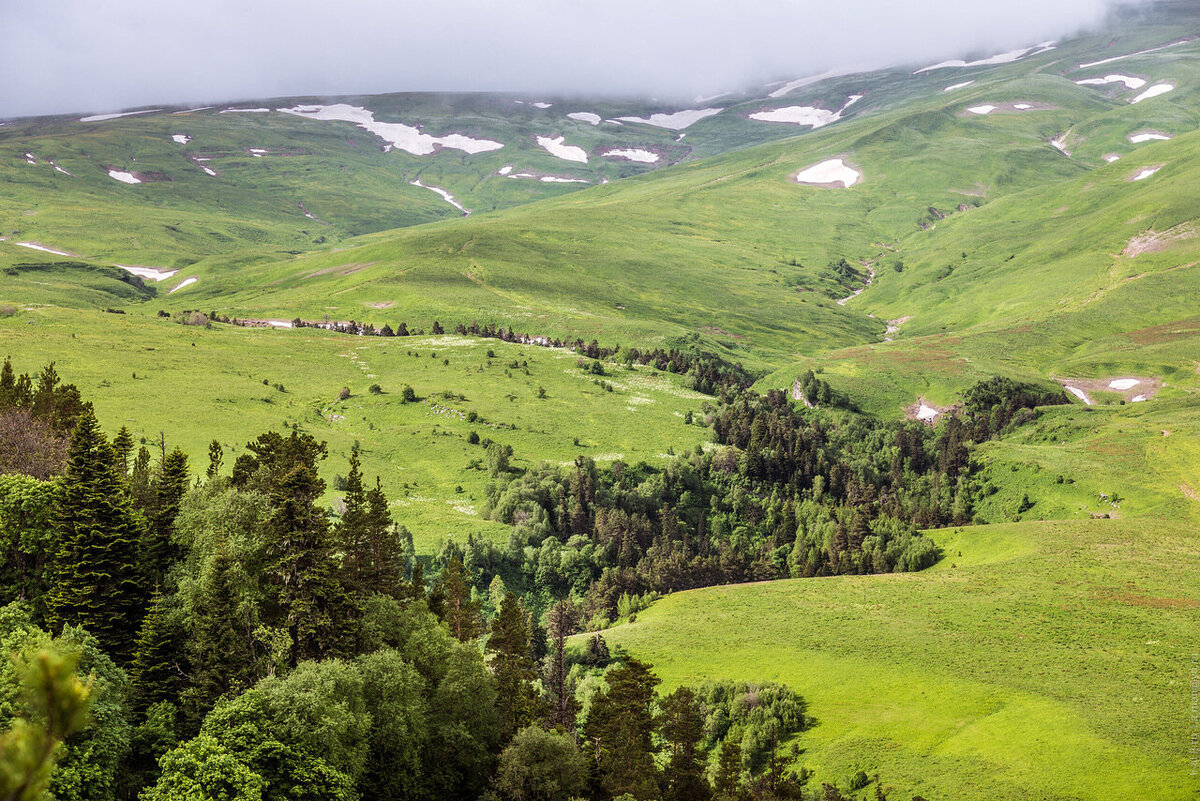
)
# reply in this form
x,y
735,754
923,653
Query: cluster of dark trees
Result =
x,y
234,639
36,420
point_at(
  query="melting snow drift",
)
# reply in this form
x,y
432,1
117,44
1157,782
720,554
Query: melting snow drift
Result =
x,y
1137,139
557,146
182,139
182,284
804,115
1154,91
1146,173
1079,393
999,58
585,116
1123,384
102,117
833,171
1130,83
954,86
124,177
982,109
148,272
676,121
927,413
631,154
405,137
449,198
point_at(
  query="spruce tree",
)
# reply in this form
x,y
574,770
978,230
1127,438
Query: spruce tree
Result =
x,y
122,445
215,456
218,651
96,582
508,642
157,670
8,385
461,611
621,724
352,528
159,551
683,729
316,609
384,546
563,707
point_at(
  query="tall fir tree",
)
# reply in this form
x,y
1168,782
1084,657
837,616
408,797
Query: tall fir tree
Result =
x,y
351,531
517,700
215,459
159,550
219,653
461,611
621,727
385,546
316,609
561,620
96,581
122,446
683,729
157,671
8,385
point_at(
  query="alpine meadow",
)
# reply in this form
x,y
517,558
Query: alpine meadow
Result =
x,y
832,438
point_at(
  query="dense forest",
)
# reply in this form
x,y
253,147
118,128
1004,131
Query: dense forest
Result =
x,y
217,633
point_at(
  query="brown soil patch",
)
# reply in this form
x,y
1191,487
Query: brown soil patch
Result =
x,y
1153,241
386,304
342,269
1130,596
1166,333
1189,492
1146,387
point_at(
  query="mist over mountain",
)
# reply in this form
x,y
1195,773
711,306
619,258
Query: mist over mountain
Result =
x,y
78,56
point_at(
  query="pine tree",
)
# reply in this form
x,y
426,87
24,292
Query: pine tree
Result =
x,y
218,649
384,546
621,724
96,582
316,609
683,729
461,611
215,455
563,706
727,781
516,699
158,548
8,385
122,445
351,530
43,396
157,668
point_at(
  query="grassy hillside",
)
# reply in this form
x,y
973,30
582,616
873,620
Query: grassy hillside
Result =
x,y
1037,661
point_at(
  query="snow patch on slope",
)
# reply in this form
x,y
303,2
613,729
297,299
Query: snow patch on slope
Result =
x,y
557,146
833,171
449,198
404,137
676,121
999,58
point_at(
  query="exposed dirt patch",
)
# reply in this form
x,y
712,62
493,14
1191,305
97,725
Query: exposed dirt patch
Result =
x,y
1129,595
386,304
342,269
1189,492
1153,241
1143,390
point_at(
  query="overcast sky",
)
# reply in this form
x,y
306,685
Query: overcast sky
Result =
x,y
104,55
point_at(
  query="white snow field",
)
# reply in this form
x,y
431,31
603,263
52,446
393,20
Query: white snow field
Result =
x,y
1123,384
557,146
954,86
1149,136
676,121
102,117
999,58
124,177
1154,91
181,139
43,248
631,154
1131,55
1146,173
182,284
985,109
449,198
404,137
148,272
1079,393
584,116
832,171
1130,82
805,115
927,413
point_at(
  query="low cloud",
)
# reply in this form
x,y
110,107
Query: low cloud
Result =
x,y
59,56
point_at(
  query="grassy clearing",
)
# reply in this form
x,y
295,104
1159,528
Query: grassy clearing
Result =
x,y
1037,660
195,384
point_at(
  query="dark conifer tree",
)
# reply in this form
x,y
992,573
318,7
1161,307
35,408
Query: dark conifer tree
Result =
x,y
351,532
215,455
727,781
384,547
461,612
621,725
316,610
122,446
96,582
517,700
158,549
157,670
683,729
560,621
8,385
218,652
